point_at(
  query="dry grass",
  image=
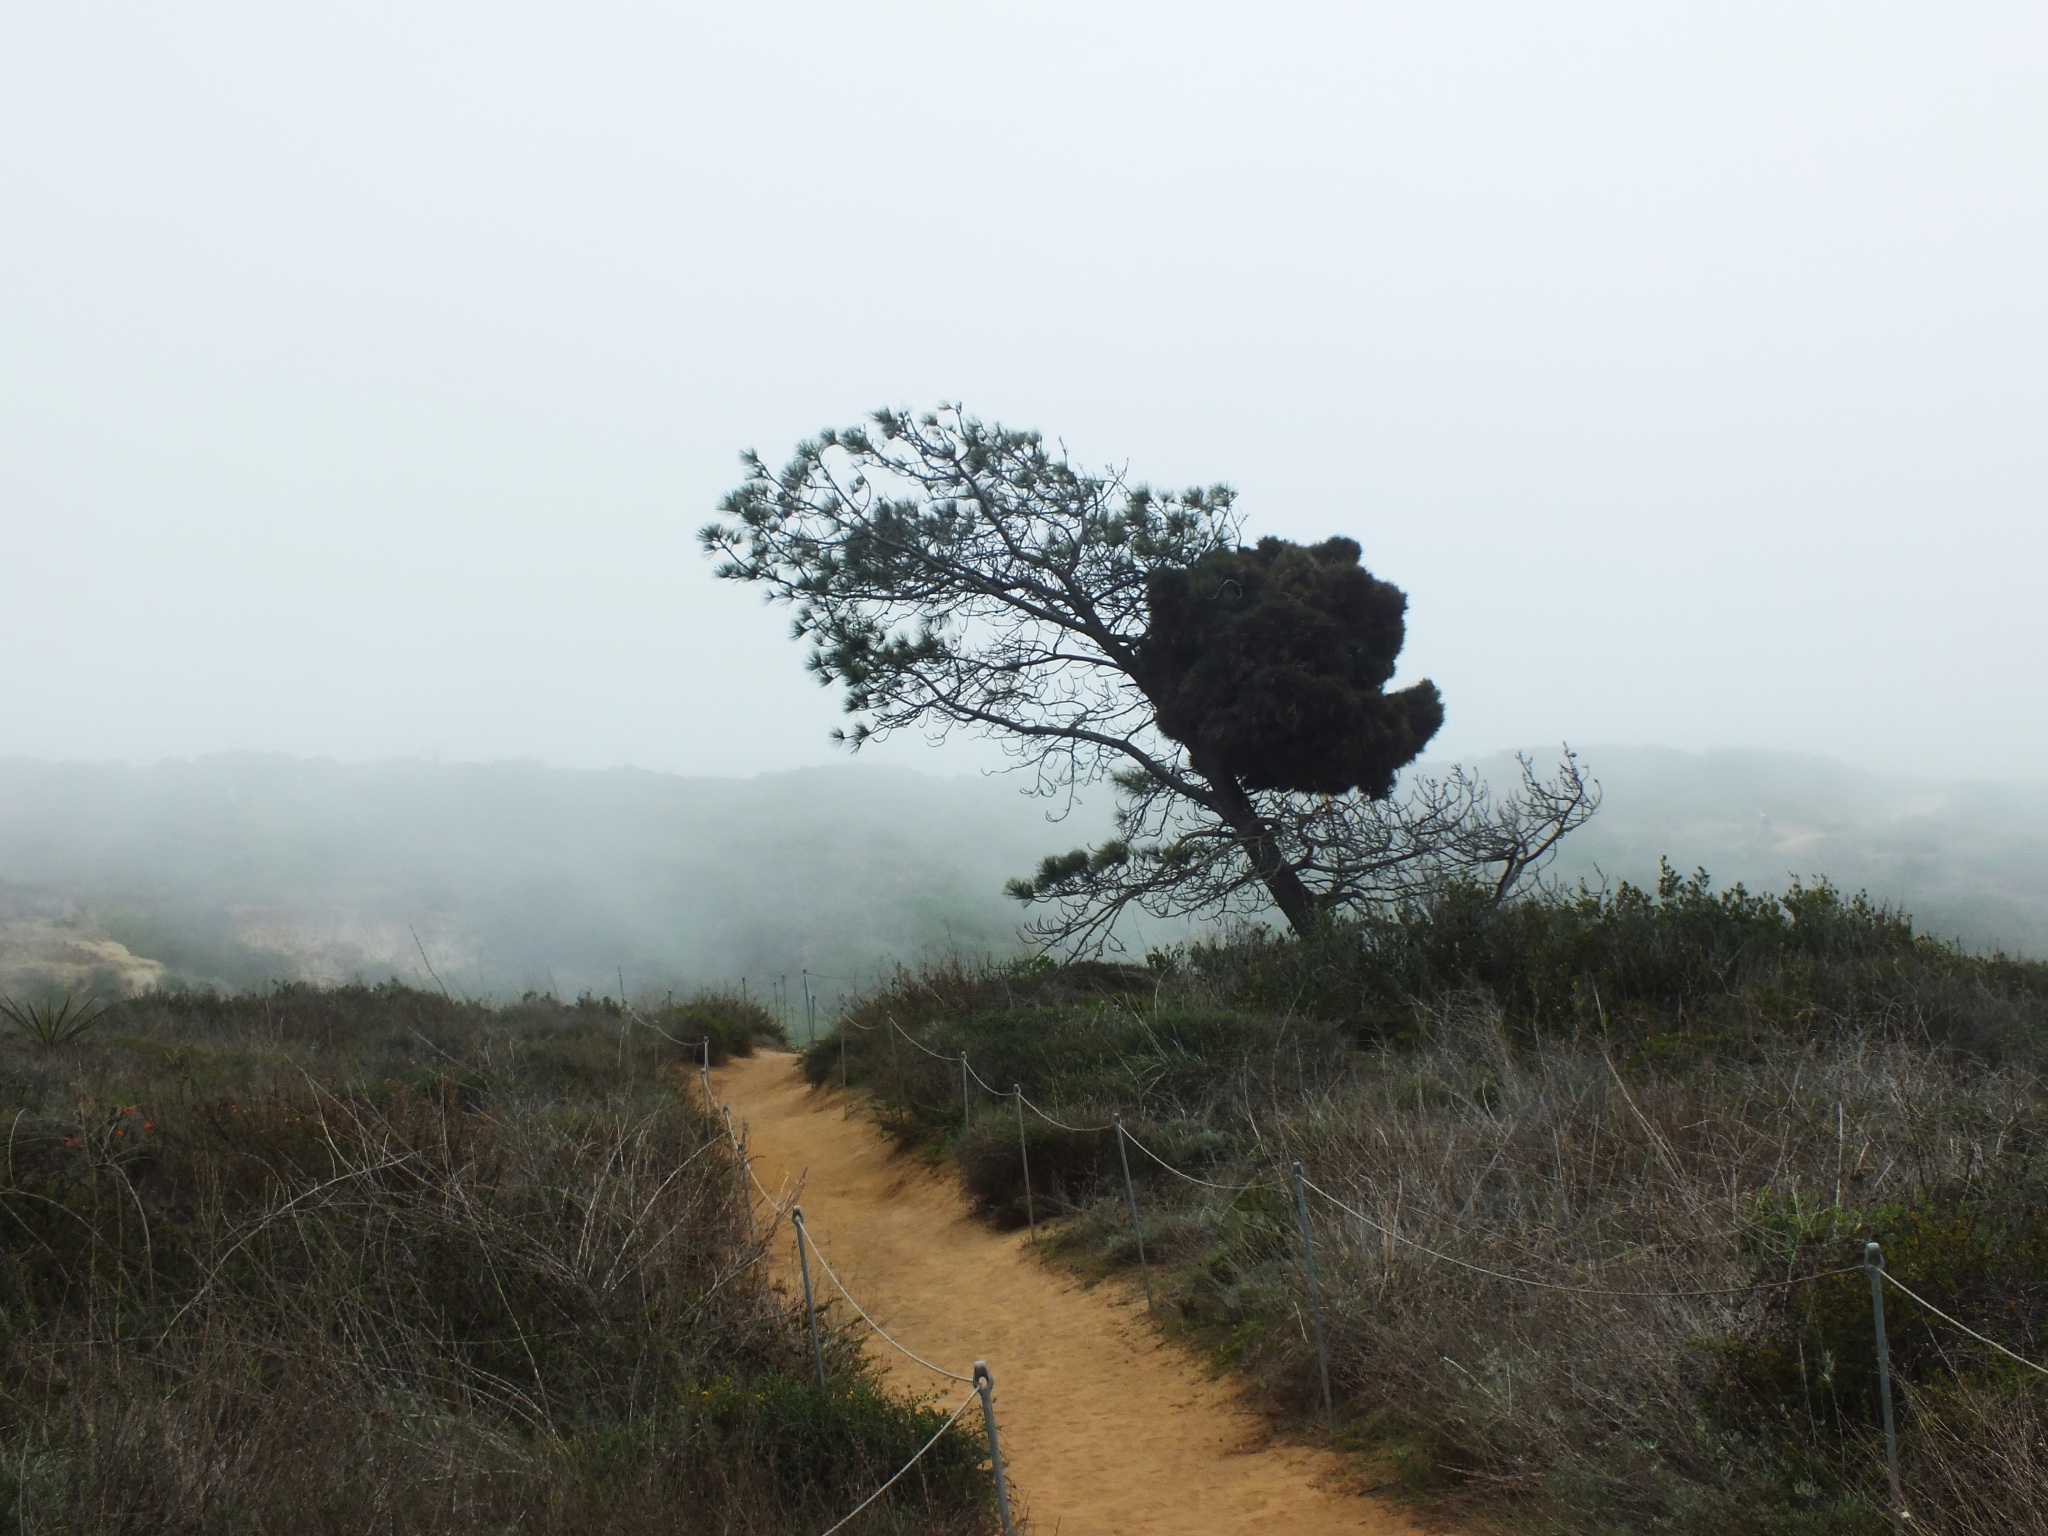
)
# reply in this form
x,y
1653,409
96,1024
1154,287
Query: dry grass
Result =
x,y
1623,1412
373,1260
1681,1094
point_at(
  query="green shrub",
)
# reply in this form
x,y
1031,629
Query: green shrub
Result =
x,y
1690,1094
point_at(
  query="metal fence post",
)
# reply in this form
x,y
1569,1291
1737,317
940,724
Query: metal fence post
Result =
x,y
963,1090
705,1072
1024,1157
1315,1295
803,1261
1873,1260
985,1384
1116,1119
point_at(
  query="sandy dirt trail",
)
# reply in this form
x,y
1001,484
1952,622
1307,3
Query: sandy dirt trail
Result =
x,y
1106,1430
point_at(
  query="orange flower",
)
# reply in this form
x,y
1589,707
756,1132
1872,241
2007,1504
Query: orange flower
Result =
x,y
149,1125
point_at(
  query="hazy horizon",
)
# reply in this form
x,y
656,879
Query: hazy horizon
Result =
x,y
366,373
242,869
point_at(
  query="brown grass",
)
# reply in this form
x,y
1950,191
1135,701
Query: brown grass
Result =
x,y
379,1261
1669,1094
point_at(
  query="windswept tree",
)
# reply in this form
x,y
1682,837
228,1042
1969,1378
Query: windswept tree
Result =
x,y
947,574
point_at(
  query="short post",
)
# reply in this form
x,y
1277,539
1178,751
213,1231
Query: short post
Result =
x,y
963,1090
803,1263
1116,1119
705,1072
746,1194
843,1029
1873,1260
985,1384
1315,1295
1024,1157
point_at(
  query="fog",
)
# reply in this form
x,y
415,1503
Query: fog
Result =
x,y
490,880
365,370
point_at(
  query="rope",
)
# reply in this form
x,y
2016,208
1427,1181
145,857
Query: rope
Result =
x,y
1001,1093
864,1503
935,1055
1228,1189
1578,1290
1078,1130
1965,1327
1466,1264
937,1370
777,1206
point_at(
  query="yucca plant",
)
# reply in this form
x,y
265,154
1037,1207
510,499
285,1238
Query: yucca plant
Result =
x,y
49,1025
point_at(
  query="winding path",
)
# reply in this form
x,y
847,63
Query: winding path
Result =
x,y
1106,1430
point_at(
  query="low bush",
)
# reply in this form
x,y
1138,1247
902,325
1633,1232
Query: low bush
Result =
x,y
1609,1156
372,1258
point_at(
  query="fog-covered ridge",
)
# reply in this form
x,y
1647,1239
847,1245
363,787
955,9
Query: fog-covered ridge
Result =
x,y
240,869
1967,858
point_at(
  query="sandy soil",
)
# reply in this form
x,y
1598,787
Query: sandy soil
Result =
x,y
1107,1431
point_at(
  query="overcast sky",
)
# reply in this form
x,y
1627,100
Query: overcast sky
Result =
x,y
366,370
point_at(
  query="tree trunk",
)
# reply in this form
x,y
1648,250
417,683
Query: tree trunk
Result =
x,y
1263,848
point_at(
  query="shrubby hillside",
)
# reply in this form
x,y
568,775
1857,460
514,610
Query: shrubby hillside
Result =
x,y
1969,859
1590,1179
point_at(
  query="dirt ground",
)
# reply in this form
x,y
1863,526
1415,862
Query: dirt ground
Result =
x,y
1106,1430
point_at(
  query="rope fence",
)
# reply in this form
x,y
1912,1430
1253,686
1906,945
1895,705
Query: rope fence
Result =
x,y
1573,1290
1922,1301
980,1384
859,1311
1301,1188
965,1403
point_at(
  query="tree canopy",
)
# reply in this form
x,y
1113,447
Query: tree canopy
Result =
x,y
946,573
1273,661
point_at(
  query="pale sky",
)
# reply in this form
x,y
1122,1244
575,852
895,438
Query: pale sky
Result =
x,y
366,370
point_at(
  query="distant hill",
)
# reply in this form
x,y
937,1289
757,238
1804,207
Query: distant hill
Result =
x,y
237,870
1968,859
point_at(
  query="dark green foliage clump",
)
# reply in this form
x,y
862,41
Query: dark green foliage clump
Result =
x,y
1680,967
372,1258
1271,663
734,1025
50,1023
1712,1098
